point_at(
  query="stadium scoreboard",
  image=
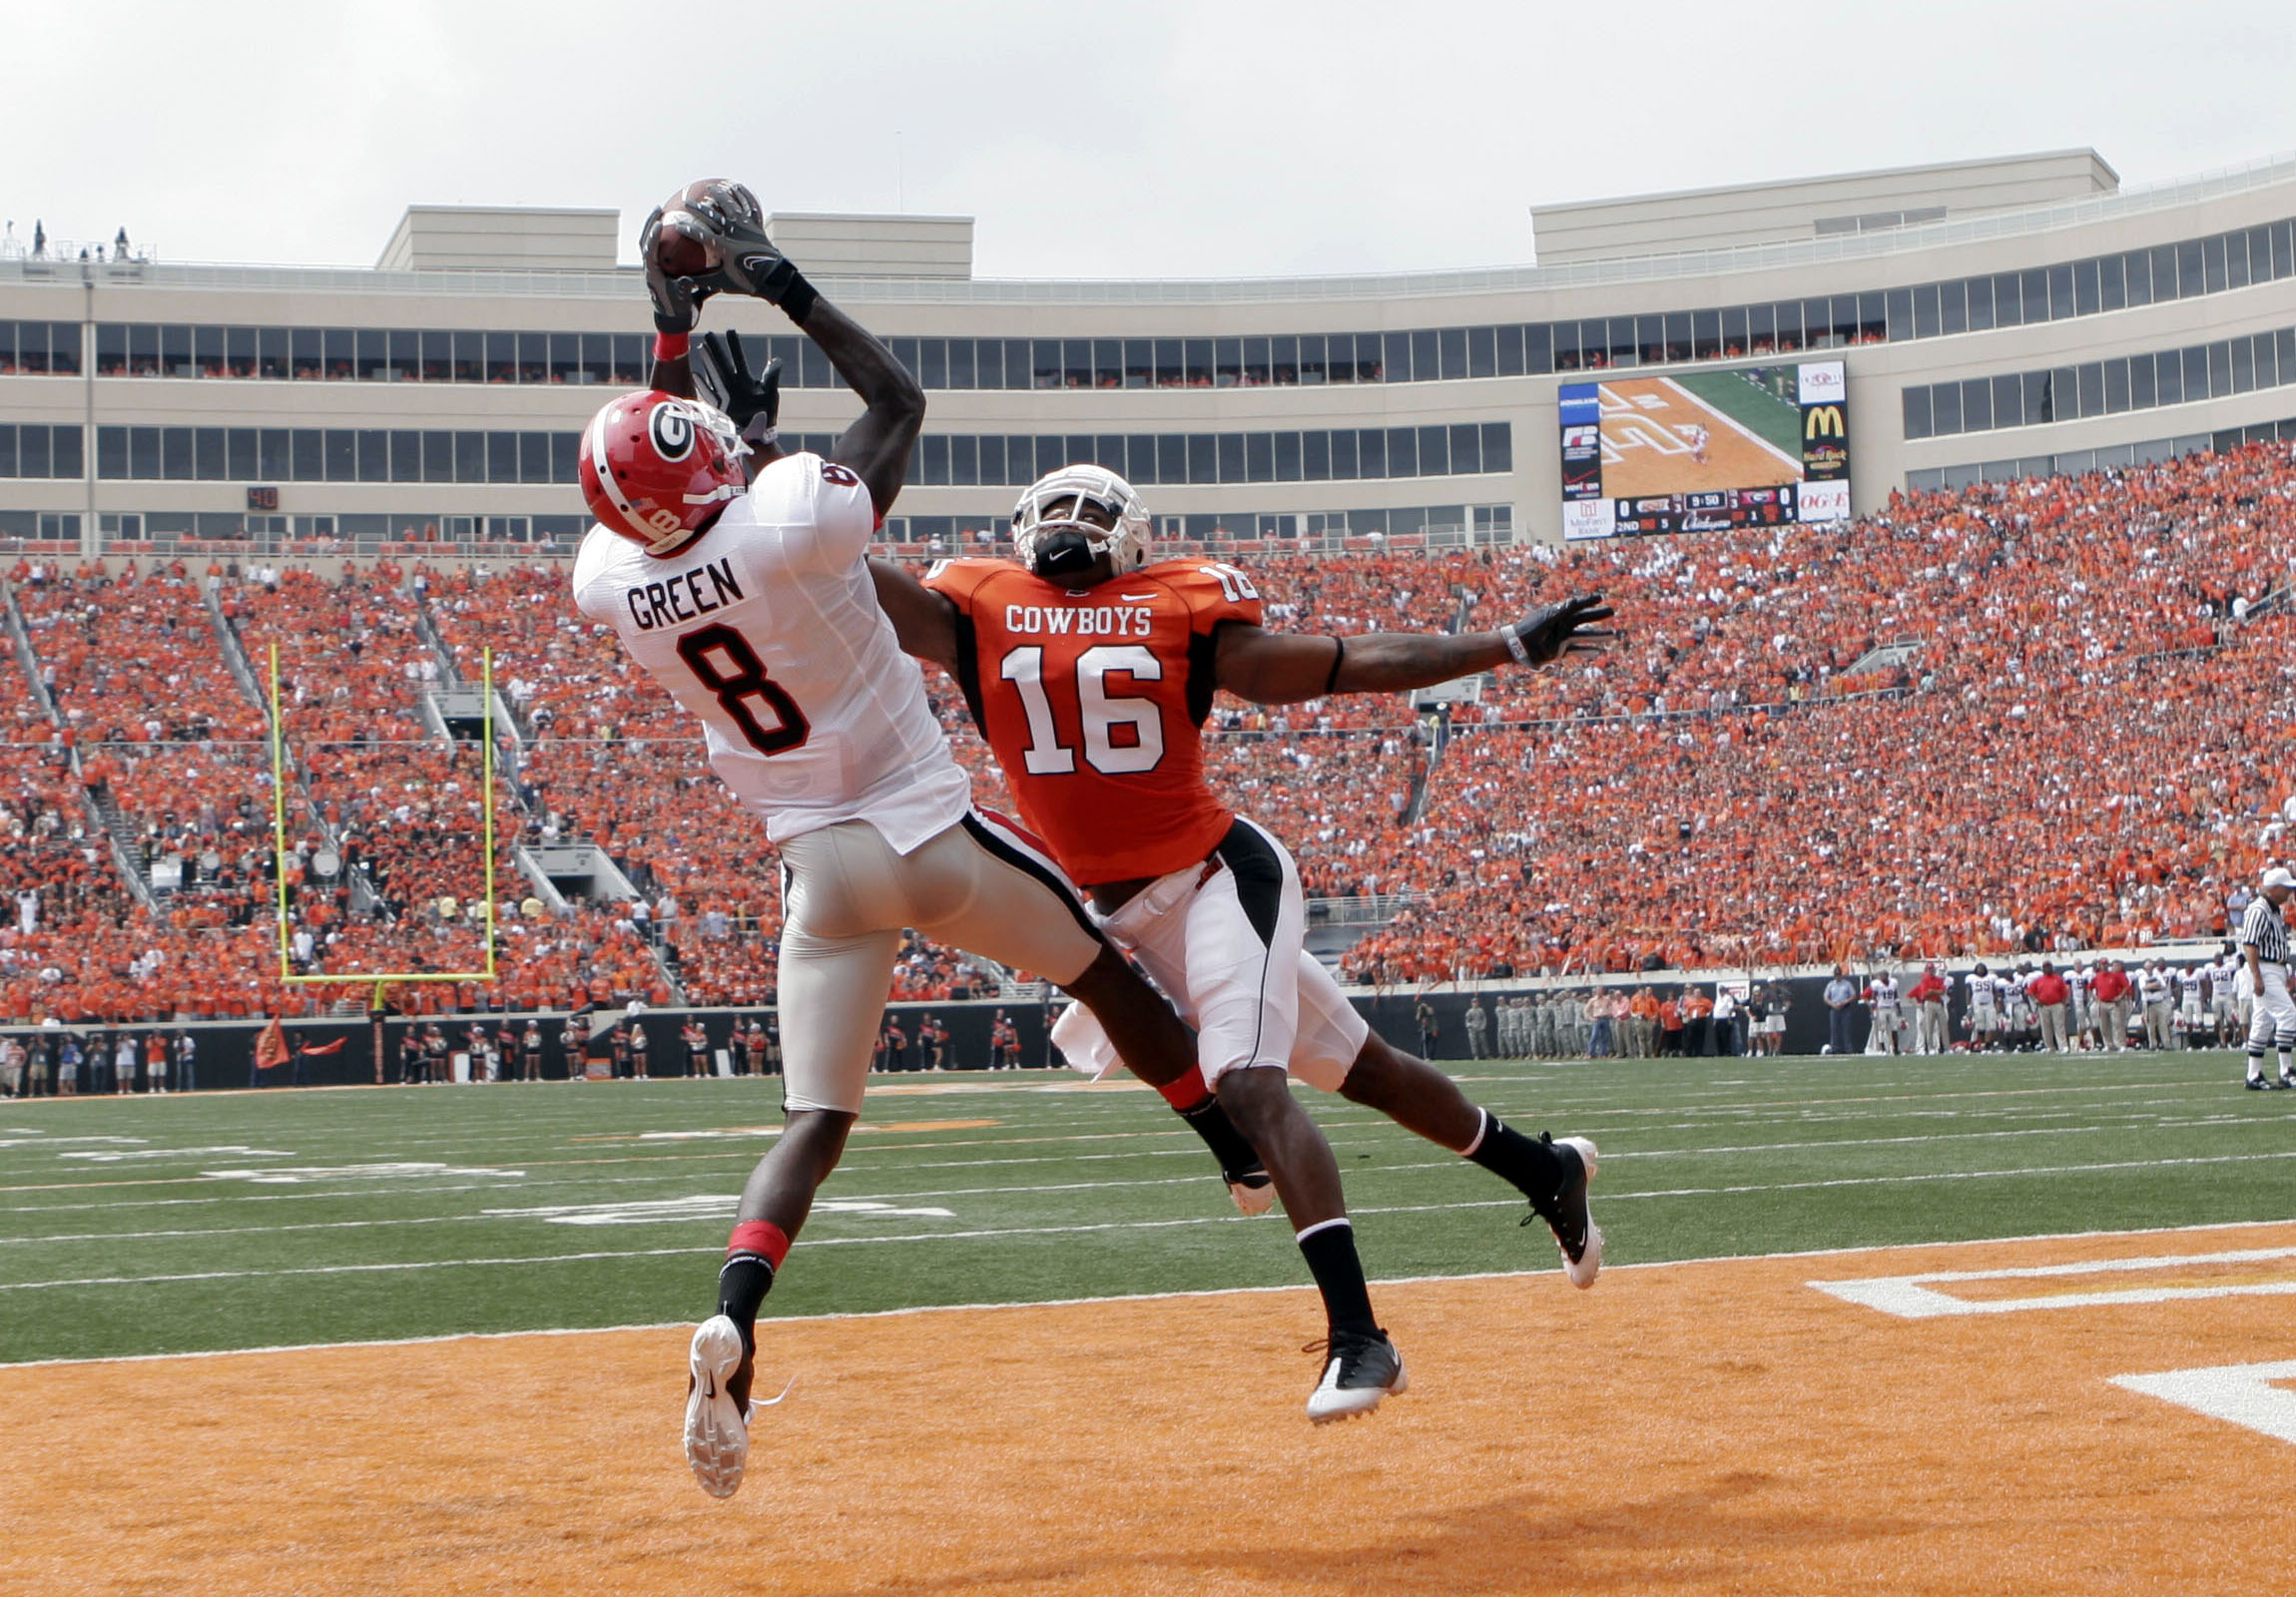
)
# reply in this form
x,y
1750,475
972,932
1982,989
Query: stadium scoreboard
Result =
x,y
1700,451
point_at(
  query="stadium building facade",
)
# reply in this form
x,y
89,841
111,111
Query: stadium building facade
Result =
x,y
2016,317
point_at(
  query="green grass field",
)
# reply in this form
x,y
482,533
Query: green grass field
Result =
x,y
1760,408
235,1220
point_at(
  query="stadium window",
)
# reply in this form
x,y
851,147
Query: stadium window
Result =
x,y
2089,383
431,359
2236,273
174,354
1009,361
2001,299
240,351
2113,283
1497,446
341,452
32,451
240,453
1346,464
2007,405
2032,290
2135,277
1316,456
1901,307
2283,248
976,362
1197,370
1139,364
1227,362
2241,356
597,358
1923,305
2061,294
306,454
534,458
143,350
176,453
436,451
1075,364
2087,291
1259,361
1433,451
8,450
207,352
1203,458
2260,254
936,467
373,356
2116,387
1427,357
565,357
64,349
534,357
1171,459
1465,449
1953,307
1678,340
1564,338
2169,366
2207,373
1450,353
110,453
1945,408
926,358
1978,405
1259,457
813,367
111,349
1873,324
905,355
468,457
1395,357
1617,342
565,456
1288,466
1402,452
1229,460
1370,455
2212,263
1506,350
1171,371
1705,335
2039,398
1137,458
2142,395
1315,354
2189,278
1915,400
1370,359
67,459
1481,351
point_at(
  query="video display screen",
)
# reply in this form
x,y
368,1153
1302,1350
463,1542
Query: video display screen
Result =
x,y
1699,451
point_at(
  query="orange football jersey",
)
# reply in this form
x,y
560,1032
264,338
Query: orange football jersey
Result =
x,y
1093,700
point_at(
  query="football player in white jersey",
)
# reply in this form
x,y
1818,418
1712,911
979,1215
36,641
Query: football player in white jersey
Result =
x,y
1985,1016
2223,995
737,577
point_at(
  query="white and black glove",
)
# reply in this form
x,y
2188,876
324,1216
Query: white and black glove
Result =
x,y
733,223
1552,631
677,300
723,377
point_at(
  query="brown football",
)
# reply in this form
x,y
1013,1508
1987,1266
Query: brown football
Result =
x,y
678,255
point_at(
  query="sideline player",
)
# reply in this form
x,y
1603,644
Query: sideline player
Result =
x,y
2263,943
1697,437
736,575
1090,675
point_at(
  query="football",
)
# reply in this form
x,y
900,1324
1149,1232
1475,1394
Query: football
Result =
x,y
674,251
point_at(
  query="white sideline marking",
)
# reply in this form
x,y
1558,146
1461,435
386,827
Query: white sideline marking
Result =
x,y
2241,1394
296,1176
1120,1297
701,1205
1912,1296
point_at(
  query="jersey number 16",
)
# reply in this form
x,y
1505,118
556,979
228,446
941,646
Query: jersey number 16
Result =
x,y
1101,713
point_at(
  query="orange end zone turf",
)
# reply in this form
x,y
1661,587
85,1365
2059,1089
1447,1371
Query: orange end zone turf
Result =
x,y
1688,1428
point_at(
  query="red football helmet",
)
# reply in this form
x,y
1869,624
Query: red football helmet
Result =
x,y
656,467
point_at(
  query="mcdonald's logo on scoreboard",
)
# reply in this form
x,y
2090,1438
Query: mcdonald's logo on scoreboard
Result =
x,y
1823,422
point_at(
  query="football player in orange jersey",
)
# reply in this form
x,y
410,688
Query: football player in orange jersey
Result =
x,y
1090,673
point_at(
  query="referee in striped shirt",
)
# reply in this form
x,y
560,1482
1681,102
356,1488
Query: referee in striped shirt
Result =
x,y
2264,944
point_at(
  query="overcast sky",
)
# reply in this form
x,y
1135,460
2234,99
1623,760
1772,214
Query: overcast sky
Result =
x,y
1090,138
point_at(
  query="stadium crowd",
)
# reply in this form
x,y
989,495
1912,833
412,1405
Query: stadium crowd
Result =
x,y
2029,714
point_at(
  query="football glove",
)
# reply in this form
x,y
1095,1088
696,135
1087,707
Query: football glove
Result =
x,y
1552,631
728,217
722,374
677,300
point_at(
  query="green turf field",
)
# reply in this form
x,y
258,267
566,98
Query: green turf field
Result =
x,y
232,1220
1760,407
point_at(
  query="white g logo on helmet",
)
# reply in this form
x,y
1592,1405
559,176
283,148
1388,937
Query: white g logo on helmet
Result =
x,y
671,429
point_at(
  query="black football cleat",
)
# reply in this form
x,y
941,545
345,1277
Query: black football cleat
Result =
x,y
1358,1371
1576,1234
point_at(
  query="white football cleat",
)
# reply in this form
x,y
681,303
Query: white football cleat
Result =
x,y
1576,1236
1358,1373
717,1430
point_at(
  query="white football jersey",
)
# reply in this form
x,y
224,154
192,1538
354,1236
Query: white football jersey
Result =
x,y
767,628
2224,977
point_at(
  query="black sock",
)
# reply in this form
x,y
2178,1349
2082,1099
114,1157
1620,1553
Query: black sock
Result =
x,y
1210,1122
741,1287
1329,1250
1534,1168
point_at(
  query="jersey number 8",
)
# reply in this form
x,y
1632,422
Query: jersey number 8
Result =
x,y
747,682
1045,756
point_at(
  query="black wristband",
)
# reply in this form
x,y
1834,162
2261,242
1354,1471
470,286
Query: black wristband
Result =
x,y
1339,657
786,286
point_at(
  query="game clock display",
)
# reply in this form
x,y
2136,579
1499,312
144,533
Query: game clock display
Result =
x,y
1702,451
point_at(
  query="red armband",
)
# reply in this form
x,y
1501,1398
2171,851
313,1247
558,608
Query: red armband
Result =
x,y
670,346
